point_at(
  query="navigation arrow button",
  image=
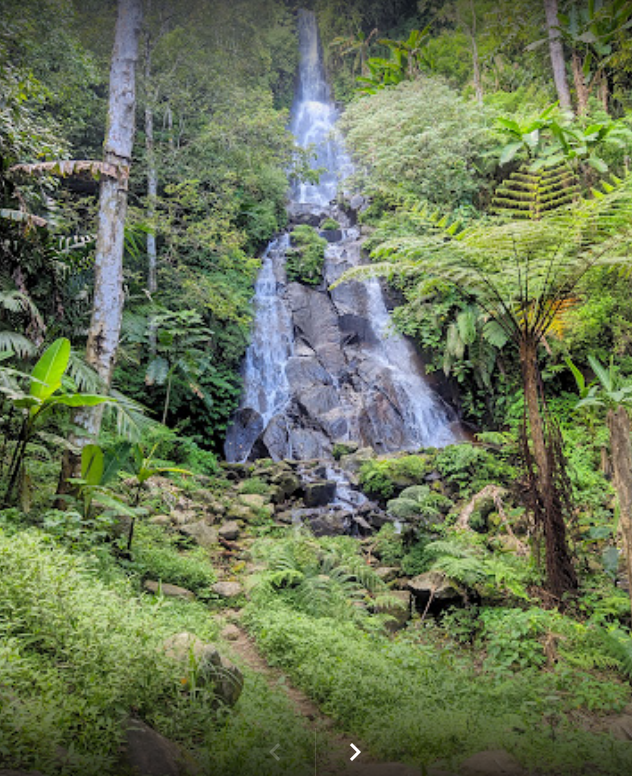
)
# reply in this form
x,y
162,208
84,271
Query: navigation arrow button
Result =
x,y
273,752
356,750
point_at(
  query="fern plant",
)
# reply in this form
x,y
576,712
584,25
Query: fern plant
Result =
x,y
523,275
322,581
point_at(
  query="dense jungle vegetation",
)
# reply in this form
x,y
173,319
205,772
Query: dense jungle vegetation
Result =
x,y
491,145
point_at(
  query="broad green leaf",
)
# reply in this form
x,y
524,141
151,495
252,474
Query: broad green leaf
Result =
x,y
508,152
79,400
579,377
92,464
50,368
114,460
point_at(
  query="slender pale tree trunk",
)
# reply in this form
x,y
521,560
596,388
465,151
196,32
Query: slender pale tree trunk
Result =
x,y
556,51
476,65
107,306
560,574
619,427
581,90
152,187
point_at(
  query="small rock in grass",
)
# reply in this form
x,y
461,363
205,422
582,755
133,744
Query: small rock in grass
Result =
x,y
161,520
147,753
170,591
229,531
231,633
203,534
227,589
253,500
209,666
387,573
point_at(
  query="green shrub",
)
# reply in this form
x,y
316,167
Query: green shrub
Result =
x,y
468,468
306,257
76,656
420,504
421,702
329,225
254,486
384,477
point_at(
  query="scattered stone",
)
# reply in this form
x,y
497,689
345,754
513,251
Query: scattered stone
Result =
x,y
436,585
147,753
328,523
287,483
170,591
203,534
492,763
183,516
229,531
354,461
161,520
227,589
209,667
253,500
387,573
238,511
285,517
362,524
319,494
231,633
356,202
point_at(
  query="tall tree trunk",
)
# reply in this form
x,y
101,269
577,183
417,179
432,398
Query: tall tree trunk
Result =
x,y
581,90
619,427
107,306
560,574
556,51
152,181
152,188
476,65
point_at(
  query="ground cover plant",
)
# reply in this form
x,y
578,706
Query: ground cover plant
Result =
x,y
474,597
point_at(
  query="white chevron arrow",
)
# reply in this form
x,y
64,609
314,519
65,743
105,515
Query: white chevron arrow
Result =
x,y
356,750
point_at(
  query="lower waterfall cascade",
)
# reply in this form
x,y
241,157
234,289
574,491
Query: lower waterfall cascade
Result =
x,y
324,365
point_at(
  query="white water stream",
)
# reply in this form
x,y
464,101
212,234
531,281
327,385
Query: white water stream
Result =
x,y
390,389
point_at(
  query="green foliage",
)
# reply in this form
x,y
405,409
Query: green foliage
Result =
x,y
254,485
158,557
468,468
387,476
419,138
410,678
328,579
420,505
306,258
330,224
68,629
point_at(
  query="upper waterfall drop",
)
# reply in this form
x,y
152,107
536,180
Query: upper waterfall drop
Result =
x,y
324,366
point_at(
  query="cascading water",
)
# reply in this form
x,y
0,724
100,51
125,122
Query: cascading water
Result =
x,y
324,366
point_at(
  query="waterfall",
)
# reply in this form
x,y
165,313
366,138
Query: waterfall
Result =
x,y
325,366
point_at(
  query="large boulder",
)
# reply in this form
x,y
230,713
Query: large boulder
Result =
x,y
434,587
203,664
319,494
286,483
147,753
316,320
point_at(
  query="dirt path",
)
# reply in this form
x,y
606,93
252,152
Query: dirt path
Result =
x,y
336,760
